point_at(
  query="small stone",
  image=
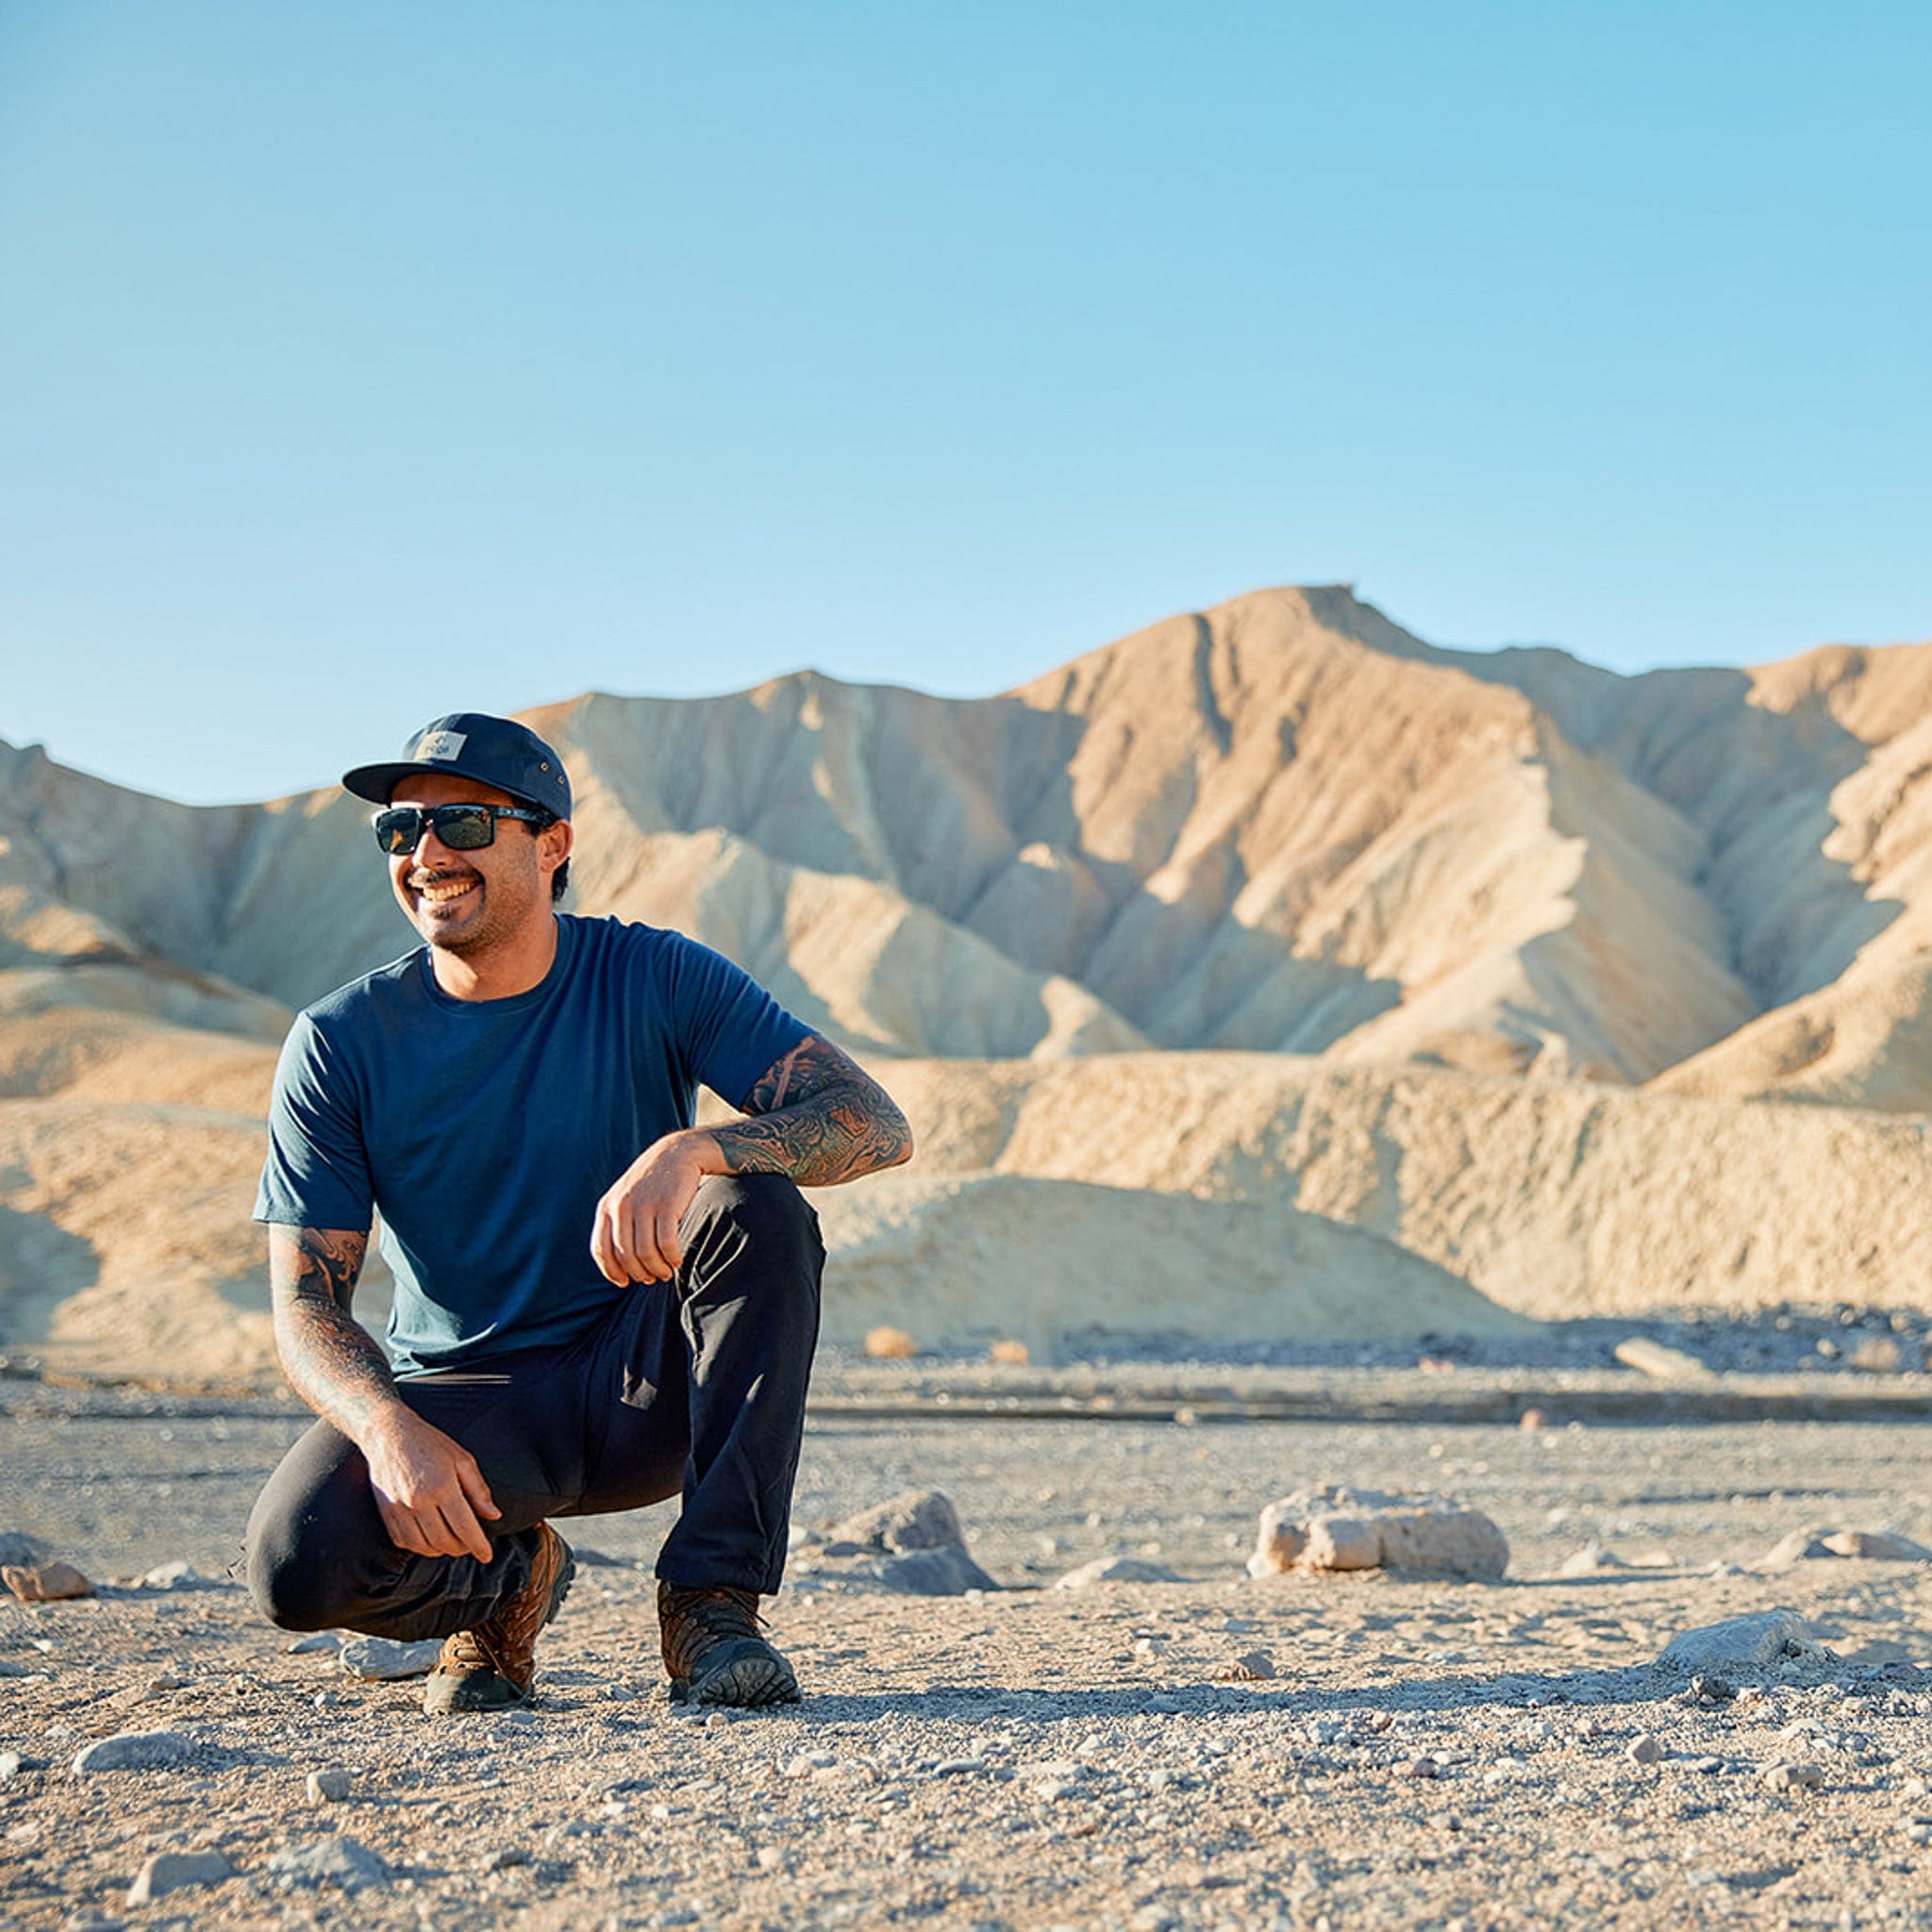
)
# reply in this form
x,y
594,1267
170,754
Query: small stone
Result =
x,y
503,1858
1800,1546
1799,1776
1643,1749
169,1871
1153,1918
1877,1355
1011,1355
933,1572
135,1751
315,1642
383,1660
180,1575
1114,1570
913,1520
958,1767
327,1787
1665,1364
1418,1767
889,1344
770,1859
1712,1689
1592,1559
10,1669
1161,1707
1759,1639
1876,1546
11,1762
342,1863
46,1582
1251,1667
1531,1419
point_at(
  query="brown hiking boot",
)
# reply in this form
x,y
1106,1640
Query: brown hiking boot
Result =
x,y
714,1649
489,1668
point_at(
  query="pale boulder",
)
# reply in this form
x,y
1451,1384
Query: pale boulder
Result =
x,y
1336,1528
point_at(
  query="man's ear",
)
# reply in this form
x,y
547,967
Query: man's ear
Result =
x,y
553,844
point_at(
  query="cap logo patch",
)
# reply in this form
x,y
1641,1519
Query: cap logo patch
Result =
x,y
442,744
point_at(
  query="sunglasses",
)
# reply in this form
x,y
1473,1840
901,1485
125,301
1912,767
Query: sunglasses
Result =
x,y
461,827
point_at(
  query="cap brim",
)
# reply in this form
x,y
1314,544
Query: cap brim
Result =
x,y
378,783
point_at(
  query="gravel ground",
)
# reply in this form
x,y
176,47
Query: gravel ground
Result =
x,y
1425,1753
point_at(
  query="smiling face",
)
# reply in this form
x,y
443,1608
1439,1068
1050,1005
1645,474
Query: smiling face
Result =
x,y
475,903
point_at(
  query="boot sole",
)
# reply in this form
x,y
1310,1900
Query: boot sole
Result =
x,y
747,1683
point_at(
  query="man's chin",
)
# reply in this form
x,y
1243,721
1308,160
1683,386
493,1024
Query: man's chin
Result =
x,y
457,936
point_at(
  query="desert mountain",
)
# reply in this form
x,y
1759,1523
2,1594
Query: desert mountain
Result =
x,y
1284,825
1437,952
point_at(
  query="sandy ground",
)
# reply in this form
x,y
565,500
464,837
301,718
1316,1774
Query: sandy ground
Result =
x,y
1426,1753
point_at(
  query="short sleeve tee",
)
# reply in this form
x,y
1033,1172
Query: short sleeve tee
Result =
x,y
484,1132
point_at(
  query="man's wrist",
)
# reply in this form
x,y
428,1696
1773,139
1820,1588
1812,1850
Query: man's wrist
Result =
x,y
700,1146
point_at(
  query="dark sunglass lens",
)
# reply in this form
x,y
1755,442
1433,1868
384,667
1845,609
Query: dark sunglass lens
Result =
x,y
398,831
463,828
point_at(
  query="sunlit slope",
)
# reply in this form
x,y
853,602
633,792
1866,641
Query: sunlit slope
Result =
x,y
1552,1198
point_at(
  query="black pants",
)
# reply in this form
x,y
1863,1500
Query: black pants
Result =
x,y
696,1385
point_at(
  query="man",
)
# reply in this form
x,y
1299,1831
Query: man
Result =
x,y
597,1305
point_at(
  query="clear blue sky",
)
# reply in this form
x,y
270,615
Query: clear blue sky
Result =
x,y
362,362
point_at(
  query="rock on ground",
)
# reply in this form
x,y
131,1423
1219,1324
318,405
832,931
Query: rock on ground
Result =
x,y
911,1542
1114,1570
135,1751
46,1582
1760,1639
383,1660
1339,1529
343,1862
167,1871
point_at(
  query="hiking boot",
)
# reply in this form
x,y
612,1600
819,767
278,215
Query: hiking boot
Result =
x,y
489,1668
714,1649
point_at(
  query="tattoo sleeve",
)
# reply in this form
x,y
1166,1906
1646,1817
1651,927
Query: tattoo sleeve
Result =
x,y
817,1116
331,1361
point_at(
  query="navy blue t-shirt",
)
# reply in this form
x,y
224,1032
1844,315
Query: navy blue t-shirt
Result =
x,y
484,1132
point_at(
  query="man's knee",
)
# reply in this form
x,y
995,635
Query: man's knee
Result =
x,y
292,1592
765,1209
306,1559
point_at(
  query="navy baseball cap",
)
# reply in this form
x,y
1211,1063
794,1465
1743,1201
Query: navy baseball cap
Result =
x,y
470,745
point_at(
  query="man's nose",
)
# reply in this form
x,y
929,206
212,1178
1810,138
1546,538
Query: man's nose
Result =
x,y
431,853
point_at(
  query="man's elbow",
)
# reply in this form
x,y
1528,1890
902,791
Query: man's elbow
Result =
x,y
899,1136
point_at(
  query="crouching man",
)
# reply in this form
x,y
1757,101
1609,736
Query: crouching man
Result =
x,y
597,1305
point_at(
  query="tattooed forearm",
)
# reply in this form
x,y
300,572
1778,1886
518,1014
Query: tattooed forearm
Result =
x,y
331,1362
819,1117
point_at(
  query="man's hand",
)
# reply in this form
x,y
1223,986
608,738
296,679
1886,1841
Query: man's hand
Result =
x,y
635,1237
428,1489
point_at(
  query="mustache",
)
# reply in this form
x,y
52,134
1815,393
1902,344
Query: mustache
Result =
x,y
418,880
